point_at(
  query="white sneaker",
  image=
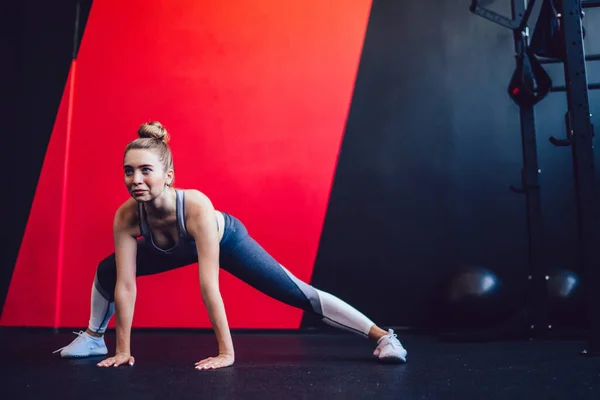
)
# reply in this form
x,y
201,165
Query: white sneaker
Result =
x,y
84,345
389,349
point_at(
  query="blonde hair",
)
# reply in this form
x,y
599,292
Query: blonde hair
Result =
x,y
152,135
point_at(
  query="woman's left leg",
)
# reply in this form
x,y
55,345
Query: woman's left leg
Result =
x,y
337,313
244,258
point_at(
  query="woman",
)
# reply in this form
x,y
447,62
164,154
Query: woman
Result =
x,y
181,227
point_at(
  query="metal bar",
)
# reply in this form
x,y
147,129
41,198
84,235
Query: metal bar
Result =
x,y
591,86
536,299
526,15
518,22
591,57
590,3
583,164
493,16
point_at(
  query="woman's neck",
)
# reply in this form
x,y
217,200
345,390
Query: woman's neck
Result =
x,y
163,205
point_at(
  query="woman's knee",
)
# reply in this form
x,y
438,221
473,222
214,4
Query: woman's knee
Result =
x,y
106,277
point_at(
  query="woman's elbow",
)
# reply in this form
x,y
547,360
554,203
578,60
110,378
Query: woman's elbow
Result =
x,y
125,287
209,291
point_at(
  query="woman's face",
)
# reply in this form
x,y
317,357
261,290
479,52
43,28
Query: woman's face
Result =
x,y
145,175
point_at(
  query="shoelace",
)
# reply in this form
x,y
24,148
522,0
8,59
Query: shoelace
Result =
x,y
393,339
79,337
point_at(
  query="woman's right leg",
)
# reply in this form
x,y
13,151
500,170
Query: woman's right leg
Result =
x,y
101,311
102,306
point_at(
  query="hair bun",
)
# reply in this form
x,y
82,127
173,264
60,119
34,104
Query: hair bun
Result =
x,y
154,130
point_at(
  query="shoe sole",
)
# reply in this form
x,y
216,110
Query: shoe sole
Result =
x,y
83,355
392,360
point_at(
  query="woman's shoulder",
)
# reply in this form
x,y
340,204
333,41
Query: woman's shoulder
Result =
x,y
194,195
127,216
196,201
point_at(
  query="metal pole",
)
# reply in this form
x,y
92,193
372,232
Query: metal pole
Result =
x,y
536,299
583,164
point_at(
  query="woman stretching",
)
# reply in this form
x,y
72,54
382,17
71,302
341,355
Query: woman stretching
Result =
x,y
181,227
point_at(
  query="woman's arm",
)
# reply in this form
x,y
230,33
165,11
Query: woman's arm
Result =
x,y
125,288
202,225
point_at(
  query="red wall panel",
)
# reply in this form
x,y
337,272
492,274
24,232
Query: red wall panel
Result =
x,y
255,94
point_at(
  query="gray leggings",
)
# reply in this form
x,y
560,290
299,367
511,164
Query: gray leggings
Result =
x,y
244,258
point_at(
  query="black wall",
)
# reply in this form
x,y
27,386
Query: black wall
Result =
x,y
37,45
431,147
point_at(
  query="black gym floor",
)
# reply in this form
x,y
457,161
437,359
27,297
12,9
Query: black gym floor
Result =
x,y
299,366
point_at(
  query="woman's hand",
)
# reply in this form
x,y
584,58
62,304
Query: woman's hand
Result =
x,y
220,361
118,359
